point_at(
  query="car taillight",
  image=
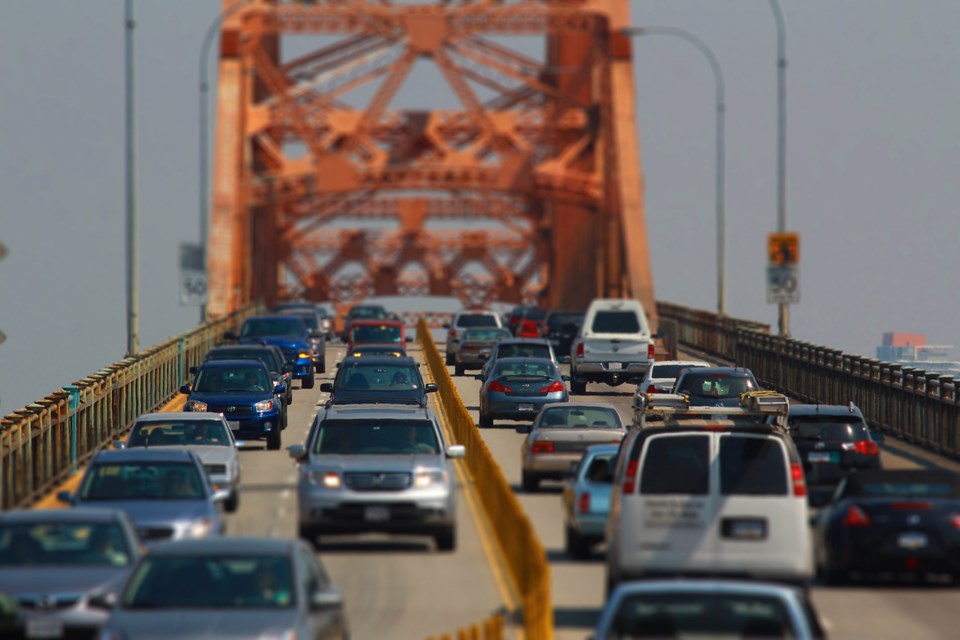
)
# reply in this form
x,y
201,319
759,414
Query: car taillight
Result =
x,y
630,477
498,387
796,475
651,351
556,386
955,521
580,350
856,517
583,506
911,506
867,448
542,446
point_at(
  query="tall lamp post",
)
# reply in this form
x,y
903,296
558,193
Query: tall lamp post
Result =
x,y
133,272
784,309
720,150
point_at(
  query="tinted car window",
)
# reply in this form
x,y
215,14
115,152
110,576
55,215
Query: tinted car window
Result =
x,y
236,379
667,370
615,322
374,313
143,481
357,376
579,417
291,326
477,320
523,351
676,465
558,320
485,334
350,437
175,433
519,369
830,431
701,615
715,385
376,333
752,466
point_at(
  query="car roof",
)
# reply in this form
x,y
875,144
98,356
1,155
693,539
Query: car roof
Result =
x,y
839,410
476,312
686,363
232,363
186,416
93,514
375,411
222,545
707,587
541,341
728,371
375,360
146,454
578,405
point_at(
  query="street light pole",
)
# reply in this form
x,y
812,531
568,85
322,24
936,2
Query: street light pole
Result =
x,y
720,148
133,271
784,309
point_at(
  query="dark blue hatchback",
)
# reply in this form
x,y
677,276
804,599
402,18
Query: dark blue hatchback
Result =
x,y
244,393
290,333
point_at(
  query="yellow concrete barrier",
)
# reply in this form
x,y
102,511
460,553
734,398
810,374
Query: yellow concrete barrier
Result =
x,y
524,555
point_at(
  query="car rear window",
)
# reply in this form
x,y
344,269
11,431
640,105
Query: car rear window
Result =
x,y
714,385
752,466
477,320
831,431
667,370
559,415
559,320
523,351
676,465
615,322
670,615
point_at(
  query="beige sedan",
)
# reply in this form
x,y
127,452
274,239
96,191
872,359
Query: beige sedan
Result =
x,y
560,435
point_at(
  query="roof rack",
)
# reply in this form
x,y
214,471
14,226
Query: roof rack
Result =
x,y
755,407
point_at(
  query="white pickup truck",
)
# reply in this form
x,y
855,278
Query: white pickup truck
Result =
x,y
614,345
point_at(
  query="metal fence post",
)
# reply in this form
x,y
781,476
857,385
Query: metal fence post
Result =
x,y
72,402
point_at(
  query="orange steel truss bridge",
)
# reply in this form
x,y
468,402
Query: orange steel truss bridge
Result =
x,y
529,190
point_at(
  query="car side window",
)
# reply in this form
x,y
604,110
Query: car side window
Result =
x,y
752,466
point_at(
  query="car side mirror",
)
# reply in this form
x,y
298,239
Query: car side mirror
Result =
x,y
877,436
326,387
230,335
456,451
66,496
192,370
185,389
320,600
524,428
297,451
430,387
280,389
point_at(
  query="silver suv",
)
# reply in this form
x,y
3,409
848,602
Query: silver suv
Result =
x,y
375,467
463,320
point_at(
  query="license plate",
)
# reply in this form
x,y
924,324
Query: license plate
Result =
x,y
44,628
525,407
744,529
234,425
912,540
376,514
821,456
615,366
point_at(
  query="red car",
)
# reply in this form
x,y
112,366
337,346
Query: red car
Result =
x,y
376,332
532,323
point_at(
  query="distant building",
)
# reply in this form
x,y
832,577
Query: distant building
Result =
x,y
912,350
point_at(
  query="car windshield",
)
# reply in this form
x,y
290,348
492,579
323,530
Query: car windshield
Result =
x,y
141,480
377,333
63,544
255,327
374,313
715,385
260,355
485,335
214,581
559,320
515,369
560,416
515,350
536,314
477,320
830,431
701,615
365,350
360,376
232,380
351,437
615,322
179,433
309,319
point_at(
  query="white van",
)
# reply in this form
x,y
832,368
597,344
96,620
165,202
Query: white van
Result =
x,y
614,345
716,496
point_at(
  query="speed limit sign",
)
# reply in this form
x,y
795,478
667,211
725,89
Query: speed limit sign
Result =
x,y
783,284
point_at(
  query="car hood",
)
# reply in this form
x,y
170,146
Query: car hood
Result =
x,y
60,579
346,396
157,512
380,462
221,398
280,341
203,624
213,454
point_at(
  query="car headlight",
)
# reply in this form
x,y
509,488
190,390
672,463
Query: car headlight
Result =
x,y
328,479
425,478
196,405
201,528
264,405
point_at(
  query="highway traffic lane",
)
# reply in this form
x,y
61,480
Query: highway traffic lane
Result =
x,y
874,610
393,586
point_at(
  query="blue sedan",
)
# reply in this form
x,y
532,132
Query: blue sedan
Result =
x,y
244,393
519,387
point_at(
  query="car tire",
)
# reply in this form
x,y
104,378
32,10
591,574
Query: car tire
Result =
x,y
578,387
273,440
486,420
308,382
319,367
530,482
577,546
833,577
446,540
233,502
286,419
458,370
449,360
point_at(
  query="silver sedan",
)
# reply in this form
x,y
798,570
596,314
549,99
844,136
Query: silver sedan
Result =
x,y
518,388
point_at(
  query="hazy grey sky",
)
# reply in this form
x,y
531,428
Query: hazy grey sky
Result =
x,y
873,94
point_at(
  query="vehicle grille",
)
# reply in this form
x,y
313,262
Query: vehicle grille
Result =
x,y
290,354
215,468
374,481
239,409
48,601
155,533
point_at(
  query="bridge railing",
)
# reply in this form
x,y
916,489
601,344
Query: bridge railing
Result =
x,y
525,556
915,405
46,441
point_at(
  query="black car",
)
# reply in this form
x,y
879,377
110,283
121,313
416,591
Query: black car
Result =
x,y
891,521
563,326
269,355
715,386
378,380
833,440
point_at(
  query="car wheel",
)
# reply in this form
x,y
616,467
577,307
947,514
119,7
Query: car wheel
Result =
x,y
577,546
486,420
450,361
530,482
286,418
307,383
446,540
233,502
458,370
273,440
578,387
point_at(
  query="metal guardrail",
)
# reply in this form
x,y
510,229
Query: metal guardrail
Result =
x,y
918,406
46,441
526,558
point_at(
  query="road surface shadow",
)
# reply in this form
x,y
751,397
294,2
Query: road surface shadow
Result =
x,y
582,617
559,556
543,490
343,544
